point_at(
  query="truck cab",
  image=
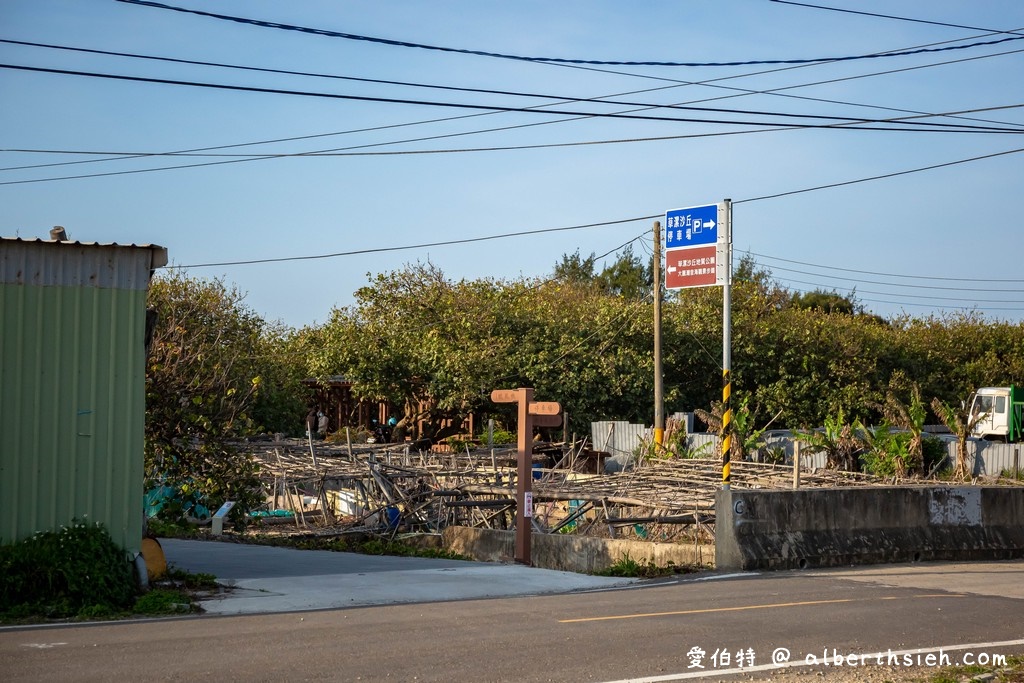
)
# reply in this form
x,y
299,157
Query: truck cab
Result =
x,y
1003,413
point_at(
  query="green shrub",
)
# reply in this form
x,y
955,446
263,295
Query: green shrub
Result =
x,y
163,601
64,572
627,566
934,451
501,436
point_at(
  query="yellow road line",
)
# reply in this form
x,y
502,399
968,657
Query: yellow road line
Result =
x,y
750,607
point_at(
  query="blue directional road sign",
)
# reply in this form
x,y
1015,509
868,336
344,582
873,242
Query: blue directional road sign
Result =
x,y
695,226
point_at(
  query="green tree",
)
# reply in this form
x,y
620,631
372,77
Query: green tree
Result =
x,y
628,276
837,441
746,436
202,380
961,423
575,269
829,302
907,453
281,401
439,347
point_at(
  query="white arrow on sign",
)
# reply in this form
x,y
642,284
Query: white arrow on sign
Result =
x,y
709,224
671,269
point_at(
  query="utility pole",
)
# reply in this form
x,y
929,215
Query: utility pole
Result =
x,y
659,389
725,227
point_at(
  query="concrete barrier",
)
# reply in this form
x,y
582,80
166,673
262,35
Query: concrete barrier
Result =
x,y
573,553
761,529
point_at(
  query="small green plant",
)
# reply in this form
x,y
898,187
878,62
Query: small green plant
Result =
x,y
1005,672
501,436
935,455
177,528
887,452
373,546
58,574
163,601
773,455
837,441
96,613
197,581
628,567
1010,474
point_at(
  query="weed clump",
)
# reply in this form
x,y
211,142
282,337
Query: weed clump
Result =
x,y
74,570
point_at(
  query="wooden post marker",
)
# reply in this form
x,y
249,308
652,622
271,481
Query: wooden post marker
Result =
x,y
530,413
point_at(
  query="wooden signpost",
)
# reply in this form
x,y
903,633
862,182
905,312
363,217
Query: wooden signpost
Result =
x,y
531,414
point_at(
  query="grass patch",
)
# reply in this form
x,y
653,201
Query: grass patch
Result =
x,y
160,601
372,546
646,569
1011,672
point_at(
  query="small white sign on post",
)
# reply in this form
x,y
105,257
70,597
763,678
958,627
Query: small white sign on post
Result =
x,y
218,517
528,504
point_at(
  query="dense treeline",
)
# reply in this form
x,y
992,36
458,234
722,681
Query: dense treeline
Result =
x,y
436,347
579,339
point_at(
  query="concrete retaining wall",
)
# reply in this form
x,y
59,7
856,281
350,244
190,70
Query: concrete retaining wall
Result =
x,y
572,553
757,529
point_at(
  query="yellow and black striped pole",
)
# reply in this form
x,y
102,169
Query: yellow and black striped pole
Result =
x,y
726,425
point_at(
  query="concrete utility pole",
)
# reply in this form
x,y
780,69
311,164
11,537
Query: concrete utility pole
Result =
x,y
659,389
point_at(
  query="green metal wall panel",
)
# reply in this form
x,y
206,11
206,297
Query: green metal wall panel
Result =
x,y
72,402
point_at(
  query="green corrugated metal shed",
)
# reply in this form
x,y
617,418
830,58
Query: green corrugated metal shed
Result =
x,y
72,385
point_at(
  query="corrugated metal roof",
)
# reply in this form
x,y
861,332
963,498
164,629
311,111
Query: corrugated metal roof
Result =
x,y
50,263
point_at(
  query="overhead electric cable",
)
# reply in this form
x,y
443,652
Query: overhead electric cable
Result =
x,y
347,151
552,60
854,124
560,98
898,284
914,303
424,245
890,16
878,177
675,83
871,272
823,287
580,227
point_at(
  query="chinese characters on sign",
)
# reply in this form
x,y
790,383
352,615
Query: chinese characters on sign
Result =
x,y
693,241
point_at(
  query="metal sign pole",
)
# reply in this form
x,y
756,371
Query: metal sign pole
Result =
x,y
659,390
726,225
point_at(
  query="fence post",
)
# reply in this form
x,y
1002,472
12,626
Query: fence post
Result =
x,y
796,465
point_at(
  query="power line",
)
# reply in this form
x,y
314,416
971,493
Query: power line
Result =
x,y
344,152
424,245
432,86
871,272
580,227
913,303
878,177
896,284
676,83
855,292
854,123
889,16
909,296
553,60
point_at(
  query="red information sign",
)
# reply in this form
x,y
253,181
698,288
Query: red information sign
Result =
x,y
691,267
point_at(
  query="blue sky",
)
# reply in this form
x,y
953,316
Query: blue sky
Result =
x,y
939,227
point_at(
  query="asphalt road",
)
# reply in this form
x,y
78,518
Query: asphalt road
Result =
x,y
648,632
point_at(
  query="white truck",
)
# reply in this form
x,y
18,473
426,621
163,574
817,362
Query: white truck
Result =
x,y
1003,409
